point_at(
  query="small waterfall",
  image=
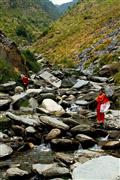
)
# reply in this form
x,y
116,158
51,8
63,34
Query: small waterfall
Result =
x,y
44,147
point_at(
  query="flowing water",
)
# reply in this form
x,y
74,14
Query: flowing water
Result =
x,y
40,154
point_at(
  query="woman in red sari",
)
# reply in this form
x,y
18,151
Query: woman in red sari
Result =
x,y
101,99
25,81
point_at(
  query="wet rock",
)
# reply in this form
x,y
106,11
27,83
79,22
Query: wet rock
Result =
x,y
114,135
54,122
80,84
85,141
56,171
96,169
84,129
88,130
4,104
18,130
111,145
64,144
16,173
50,170
6,87
65,158
87,155
5,150
70,122
54,133
30,130
53,107
3,136
24,120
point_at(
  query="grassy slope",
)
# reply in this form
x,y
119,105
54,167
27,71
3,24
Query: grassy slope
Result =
x,y
28,14
84,25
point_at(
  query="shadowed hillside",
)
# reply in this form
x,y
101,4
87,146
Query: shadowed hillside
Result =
x,y
24,21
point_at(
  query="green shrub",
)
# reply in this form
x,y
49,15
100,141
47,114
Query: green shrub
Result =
x,y
7,72
30,61
117,78
21,31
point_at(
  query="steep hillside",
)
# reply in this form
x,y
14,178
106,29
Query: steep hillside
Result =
x,y
24,21
11,60
89,32
64,7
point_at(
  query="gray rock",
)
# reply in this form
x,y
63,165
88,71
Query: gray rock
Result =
x,y
5,150
6,87
85,141
97,169
64,144
82,102
33,103
54,122
30,130
65,158
56,171
16,172
17,98
81,129
50,170
51,79
111,145
80,84
3,136
32,92
99,79
24,120
4,104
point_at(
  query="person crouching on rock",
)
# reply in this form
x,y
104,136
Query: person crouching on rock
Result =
x,y
103,104
25,81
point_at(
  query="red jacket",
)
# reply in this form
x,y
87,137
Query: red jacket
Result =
x,y
101,99
25,80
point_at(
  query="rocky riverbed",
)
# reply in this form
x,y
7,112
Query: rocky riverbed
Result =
x,y
50,130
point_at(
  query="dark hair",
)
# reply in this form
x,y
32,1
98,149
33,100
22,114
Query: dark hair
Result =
x,y
102,89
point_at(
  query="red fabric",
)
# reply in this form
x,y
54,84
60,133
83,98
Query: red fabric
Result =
x,y
101,99
25,80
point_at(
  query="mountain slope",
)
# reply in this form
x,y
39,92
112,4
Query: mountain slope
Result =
x,y
88,23
24,21
64,7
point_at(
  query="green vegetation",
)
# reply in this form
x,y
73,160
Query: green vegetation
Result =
x,y
25,20
84,25
7,72
30,61
117,78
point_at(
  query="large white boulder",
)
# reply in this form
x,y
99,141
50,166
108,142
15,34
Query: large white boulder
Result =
x,y
101,168
52,107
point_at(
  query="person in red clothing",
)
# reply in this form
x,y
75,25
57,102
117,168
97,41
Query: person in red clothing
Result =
x,y
101,99
25,81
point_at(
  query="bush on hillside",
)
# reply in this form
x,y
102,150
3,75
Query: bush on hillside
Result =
x,y
7,72
31,62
